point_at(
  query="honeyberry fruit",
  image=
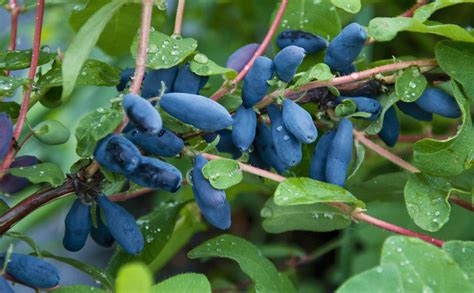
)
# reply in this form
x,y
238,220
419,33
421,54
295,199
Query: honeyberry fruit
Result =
x,y
188,81
309,42
13,184
299,122
212,202
4,286
199,111
244,127
317,169
340,153
122,226
287,147
31,271
142,114
287,61
101,234
413,110
241,56
77,224
156,174
390,128
436,101
152,83
225,144
125,76
164,143
345,47
266,148
117,154
364,104
256,85
6,134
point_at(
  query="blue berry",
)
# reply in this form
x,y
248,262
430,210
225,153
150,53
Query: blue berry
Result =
x,y
364,104
225,144
142,114
4,286
345,47
165,143
241,56
299,122
340,153
243,130
77,224
266,148
117,154
154,78
309,42
436,101
125,76
156,174
256,81
390,128
188,81
12,184
317,169
6,134
287,61
413,110
101,234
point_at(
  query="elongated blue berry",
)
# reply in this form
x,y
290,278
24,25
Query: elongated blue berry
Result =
x,y
241,56
77,224
153,79
165,143
188,81
413,110
309,42
256,81
122,226
340,153
266,148
225,144
199,111
348,70
101,234
436,101
243,130
212,202
345,47
156,174
287,147
286,62
13,184
142,114
6,134
299,122
31,271
390,128
317,169
364,104
4,286
117,154
125,76
256,160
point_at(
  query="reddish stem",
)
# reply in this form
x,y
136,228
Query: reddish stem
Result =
x,y
466,205
14,10
263,46
178,23
411,11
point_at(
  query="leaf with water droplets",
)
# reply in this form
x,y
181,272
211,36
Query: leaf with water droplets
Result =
x,y
351,6
383,278
43,172
202,65
302,190
164,51
386,101
250,260
320,71
423,266
222,173
463,253
21,59
318,217
9,84
410,84
188,282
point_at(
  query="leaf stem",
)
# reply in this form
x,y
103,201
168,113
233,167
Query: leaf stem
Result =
x,y
178,23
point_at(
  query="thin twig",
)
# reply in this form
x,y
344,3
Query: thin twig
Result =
x,y
411,11
263,46
464,204
178,23
14,10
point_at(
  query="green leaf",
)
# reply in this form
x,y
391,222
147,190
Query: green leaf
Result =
x,y
250,260
463,253
11,108
447,158
456,59
386,101
319,71
302,190
425,11
9,85
383,187
184,283
82,44
43,172
156,228
202,65
78,289
384,29
410,84
351,6
165,51
3,207
14,60
423,266
98,275
134,277
383,278
348,108
427,203
121,29
222,173
281,251
318,217
359,159
94,126
26,239
51,98
51,132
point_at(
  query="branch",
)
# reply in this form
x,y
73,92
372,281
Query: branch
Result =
x,y
263,46
178,23
411,11
14,11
